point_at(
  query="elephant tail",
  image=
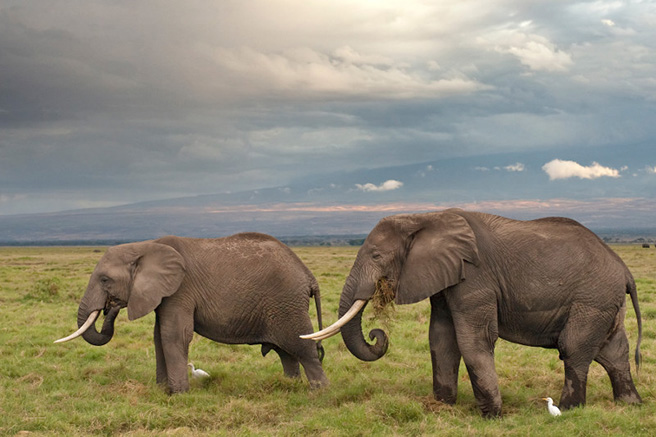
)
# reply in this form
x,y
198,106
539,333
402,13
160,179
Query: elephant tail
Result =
x,y
314,291
631,290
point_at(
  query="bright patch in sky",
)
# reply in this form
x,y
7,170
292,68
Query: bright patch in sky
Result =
x,y
559,169
388,185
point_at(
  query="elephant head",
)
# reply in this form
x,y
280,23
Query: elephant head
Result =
x,y
418,255
137,276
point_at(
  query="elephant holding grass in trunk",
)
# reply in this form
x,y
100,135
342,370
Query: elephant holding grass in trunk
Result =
x,y
549,282
245,289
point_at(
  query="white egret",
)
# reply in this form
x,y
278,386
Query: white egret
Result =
x,y
553,410
198,373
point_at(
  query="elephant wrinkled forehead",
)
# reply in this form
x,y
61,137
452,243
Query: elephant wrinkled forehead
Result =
x,y
391,227
118,255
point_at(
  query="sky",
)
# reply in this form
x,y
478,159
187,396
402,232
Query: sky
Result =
x,y
111,102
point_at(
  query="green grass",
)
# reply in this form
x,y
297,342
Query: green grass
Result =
x,y
78,389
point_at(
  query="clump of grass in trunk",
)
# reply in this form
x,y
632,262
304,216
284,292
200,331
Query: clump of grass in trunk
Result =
x,y
383,300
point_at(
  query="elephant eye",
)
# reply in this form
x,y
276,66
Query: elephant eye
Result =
x,y
104,279
376,256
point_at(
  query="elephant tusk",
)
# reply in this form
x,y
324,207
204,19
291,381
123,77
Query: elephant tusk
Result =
x,y
90,321
335,327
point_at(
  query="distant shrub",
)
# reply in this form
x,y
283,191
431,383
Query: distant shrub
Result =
x,y
45,290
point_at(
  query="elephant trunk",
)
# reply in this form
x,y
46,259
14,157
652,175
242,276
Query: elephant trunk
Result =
x,y
352,331
93,300
91,335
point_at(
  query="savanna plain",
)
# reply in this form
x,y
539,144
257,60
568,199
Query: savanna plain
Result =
x,y
78,389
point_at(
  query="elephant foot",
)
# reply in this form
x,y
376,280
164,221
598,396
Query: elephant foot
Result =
x,y
573,400
445,394
629,398
318,384
180,387
623,388
491,412
489,402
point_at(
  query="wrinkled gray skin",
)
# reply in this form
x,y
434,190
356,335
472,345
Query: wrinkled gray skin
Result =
x,y
247,288
550,283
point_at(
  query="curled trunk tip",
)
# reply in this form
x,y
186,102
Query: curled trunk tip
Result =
x,y
92,336
355,342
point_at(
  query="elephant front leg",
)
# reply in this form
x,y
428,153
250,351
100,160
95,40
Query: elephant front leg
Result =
x,y
176,333
445,354
485,384
474,319
159,356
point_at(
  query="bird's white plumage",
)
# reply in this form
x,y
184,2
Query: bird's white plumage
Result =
x,y
198,373
553,410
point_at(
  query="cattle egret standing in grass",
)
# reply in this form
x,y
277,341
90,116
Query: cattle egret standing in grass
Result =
x,y
553,410
198,373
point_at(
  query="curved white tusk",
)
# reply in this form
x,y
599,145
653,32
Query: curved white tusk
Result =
x,y
83,328
335,327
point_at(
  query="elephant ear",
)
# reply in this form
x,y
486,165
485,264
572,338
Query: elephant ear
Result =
x,y
159,271
436,257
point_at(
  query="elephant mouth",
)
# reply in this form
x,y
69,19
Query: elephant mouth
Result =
x,y
111,303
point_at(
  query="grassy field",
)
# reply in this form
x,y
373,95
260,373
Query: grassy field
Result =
x,y
78,389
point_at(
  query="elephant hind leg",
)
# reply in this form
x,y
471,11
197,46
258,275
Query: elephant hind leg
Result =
x,y
314,372
579,343
614,357
305,352
290,365
575,387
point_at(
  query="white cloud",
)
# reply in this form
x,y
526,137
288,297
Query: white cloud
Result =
x,y
345,72
539,55
515,167
422,173
532,50
559,169
388,185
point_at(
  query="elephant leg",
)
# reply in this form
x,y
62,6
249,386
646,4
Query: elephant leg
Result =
x,y
159,355
294,350
290,365
474,314
176,332
483,376
445,355
575,387
476,343
305,352
614,357
578,344
313,370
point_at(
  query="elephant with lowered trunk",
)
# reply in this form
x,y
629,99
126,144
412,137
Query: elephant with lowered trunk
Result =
x,y
549,282
248,288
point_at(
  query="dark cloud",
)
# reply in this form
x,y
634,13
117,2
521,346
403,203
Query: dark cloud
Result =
x,y
112,102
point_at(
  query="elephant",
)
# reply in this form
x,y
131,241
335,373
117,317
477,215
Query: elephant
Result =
x,y
549,283
248,288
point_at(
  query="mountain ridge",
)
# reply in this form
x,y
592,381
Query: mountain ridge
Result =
x,y
350,203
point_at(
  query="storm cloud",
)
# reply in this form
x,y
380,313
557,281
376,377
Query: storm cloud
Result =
x,y
103,103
